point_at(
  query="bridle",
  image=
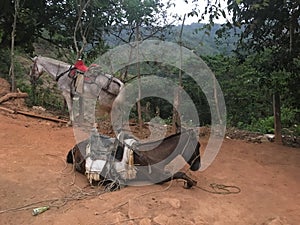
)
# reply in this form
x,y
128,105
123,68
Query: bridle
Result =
x,y
35,70
65,72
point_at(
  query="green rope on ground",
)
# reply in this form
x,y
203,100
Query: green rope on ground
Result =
x,y
221,189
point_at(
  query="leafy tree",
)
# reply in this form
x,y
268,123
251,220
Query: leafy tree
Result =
x,y
270,28
139,20
29,21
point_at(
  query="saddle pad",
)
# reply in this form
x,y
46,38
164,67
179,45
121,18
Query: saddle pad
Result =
x,y
124,168
79,83
93,168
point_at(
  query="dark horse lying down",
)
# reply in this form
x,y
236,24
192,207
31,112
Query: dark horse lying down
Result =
x,y
150,158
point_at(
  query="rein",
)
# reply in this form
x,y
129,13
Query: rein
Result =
x,y
105,88
63,73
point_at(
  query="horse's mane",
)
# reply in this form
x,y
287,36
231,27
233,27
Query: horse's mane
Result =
x,y
53,61
157,142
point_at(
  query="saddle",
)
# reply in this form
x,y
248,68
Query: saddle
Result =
x,y
77,74
81,74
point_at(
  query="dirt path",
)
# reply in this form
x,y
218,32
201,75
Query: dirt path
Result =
x,y
33,169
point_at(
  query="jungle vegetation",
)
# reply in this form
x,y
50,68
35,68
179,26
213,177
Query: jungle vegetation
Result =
x,y
255,54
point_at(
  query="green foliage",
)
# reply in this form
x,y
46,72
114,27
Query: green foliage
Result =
x,y
248,92
4,63
29,21
288,119
267,60
137,11
20,67
264,126
47,97
155,106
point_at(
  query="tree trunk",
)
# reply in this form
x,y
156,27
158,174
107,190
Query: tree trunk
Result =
x,y
140,119
81,7
277,118
176,122
12,49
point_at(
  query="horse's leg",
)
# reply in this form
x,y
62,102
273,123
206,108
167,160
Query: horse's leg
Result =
x,y
68,100
118,113
181,175
89,105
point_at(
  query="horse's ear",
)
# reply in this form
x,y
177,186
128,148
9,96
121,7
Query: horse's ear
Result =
x,y
28,57
34,58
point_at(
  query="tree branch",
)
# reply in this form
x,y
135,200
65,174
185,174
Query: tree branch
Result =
x,y
79,26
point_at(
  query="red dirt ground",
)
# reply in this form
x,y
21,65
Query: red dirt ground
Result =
x,y
34,171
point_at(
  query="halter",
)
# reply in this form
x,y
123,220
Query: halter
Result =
x,y
35,70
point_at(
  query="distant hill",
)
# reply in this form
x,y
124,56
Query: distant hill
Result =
x,y
194,38
202,42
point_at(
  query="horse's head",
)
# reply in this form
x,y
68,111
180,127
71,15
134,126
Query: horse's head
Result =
x,y
195,161
36,70
193,146
76,156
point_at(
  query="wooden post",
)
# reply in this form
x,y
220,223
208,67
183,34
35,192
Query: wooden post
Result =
x,y
277,118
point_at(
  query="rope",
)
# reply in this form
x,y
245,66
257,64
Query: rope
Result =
x,y
215,188
74,194
220,189
141,195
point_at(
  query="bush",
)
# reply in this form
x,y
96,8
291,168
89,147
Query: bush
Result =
x,y
289,118
265,125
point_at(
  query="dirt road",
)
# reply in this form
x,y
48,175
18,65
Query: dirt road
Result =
x,y
33,170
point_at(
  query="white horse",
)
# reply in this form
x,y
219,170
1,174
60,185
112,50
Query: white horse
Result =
x,y
103,86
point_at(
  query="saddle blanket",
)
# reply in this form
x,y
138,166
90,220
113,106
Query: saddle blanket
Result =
x,y
125,168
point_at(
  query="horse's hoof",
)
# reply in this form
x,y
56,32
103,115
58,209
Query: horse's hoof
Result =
x,y
114,186
188,185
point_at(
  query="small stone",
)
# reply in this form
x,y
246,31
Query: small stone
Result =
x,y
145,221
161,220
119,217
137,209
276,221
175,203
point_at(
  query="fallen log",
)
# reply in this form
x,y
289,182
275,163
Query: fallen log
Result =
x,y
7,110
33,115
13,95
41,117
